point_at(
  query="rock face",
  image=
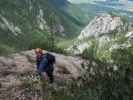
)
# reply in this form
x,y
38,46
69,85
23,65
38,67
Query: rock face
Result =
x,y
23,64
100,25
7,25
100,30
129,35
78,48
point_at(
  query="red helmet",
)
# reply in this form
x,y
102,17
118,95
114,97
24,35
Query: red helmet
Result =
x,y
39,50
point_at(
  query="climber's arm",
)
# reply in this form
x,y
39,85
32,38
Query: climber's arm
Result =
x,y
42,68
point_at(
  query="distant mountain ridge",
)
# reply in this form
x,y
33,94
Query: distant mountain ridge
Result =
x,y
102,6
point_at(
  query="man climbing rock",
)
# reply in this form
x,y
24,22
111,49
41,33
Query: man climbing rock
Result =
x,y
45,62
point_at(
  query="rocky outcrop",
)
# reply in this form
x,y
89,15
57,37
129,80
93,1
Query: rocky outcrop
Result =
x,y
20,65
42,24
101,25
78,48
7,25
129,35
100,30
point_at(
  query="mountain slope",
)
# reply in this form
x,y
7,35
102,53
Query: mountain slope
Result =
x,y
33,19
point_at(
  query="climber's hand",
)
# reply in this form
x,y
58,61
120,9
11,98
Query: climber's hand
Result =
x,y
45,76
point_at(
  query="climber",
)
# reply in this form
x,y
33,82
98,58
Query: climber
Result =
x,y
45,62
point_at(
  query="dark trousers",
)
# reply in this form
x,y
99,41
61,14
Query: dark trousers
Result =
x,y
49,72
51,76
